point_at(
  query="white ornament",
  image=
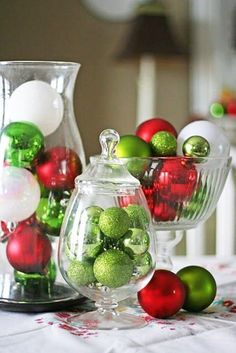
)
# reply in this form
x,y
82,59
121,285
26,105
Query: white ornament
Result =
x,y
19,194
36,102
219,144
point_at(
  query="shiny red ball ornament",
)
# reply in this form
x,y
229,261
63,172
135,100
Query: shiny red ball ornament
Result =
x,y
163,212
58,167
28,249
175,180
163,296
150,127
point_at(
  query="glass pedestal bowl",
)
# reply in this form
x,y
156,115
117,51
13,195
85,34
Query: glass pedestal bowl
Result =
x,y
181,193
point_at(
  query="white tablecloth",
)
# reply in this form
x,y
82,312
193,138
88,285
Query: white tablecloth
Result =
x,y
211,331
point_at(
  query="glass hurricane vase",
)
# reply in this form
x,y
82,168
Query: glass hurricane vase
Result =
x,y
41,153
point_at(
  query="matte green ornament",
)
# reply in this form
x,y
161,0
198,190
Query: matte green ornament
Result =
x,y
201,287
138,216
114,222
137,166
132,146
22,143
113,268
142,264
196,146
80,273
50,212
136,241
163,144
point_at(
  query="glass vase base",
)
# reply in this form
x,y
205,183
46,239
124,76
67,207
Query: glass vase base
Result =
x,y
14,297
107,320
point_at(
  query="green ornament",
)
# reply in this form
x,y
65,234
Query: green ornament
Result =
x,y
163,144
50,213
138,216
114,222
80,273
137,166
136,241
91,214
132,146
113,268
217,110
196,146
195,204
36,283
200,285
22,142
142,264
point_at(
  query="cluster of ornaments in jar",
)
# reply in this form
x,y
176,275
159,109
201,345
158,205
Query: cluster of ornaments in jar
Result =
x,y
166,163
192,288
115,248
35,181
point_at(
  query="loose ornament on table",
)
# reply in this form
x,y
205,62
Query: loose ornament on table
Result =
x,y
36,102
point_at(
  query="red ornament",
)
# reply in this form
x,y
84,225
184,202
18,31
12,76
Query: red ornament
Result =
x,y
163,212
58,168
176,180
163,296
28,249
149,127
231,107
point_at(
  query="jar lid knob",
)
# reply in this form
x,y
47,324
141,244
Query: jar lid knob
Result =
x,y
109,139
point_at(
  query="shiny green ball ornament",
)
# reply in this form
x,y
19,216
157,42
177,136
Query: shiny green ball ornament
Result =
x,y
200,285
142,264
113,268
138,216
196,146
163,144
132,146
80,273
36,282
114,222
50,213
91,214
136,241
22,143
195,204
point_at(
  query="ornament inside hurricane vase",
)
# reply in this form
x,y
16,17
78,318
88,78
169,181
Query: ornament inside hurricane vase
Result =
x,y
41,154
106,250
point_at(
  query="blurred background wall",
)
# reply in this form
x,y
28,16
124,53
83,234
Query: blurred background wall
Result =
x,y
106,89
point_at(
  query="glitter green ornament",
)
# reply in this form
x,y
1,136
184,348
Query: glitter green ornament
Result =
x,y
114,222
22,142
163,144
80,273
113,268
136,241
196,146
138,216
142,264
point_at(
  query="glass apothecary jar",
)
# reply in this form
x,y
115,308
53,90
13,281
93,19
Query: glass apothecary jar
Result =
x,y
41,153
106,249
